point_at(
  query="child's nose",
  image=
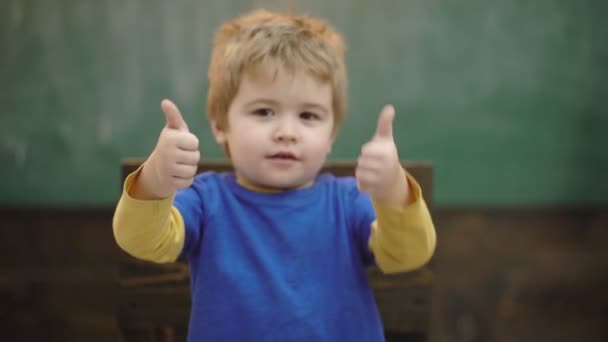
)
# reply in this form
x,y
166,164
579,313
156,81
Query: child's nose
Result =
x,y
286,131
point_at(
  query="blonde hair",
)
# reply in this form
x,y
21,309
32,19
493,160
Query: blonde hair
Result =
x,y
295,42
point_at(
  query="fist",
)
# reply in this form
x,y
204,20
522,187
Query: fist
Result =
x,y
379,172
174,161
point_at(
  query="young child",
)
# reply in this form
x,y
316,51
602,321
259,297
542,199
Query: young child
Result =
x,y
277,251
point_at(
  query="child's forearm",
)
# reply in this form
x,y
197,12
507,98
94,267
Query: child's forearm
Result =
x,y
403,237
148,229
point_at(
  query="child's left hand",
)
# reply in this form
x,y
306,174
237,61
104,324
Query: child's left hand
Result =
x,y
379,172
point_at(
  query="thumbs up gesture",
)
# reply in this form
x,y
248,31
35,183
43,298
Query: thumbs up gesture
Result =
x,y
173,163
379,172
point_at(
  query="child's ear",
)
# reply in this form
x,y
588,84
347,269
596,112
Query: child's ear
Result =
x,y
218,132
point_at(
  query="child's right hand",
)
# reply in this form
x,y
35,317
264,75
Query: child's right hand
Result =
x,y
173,163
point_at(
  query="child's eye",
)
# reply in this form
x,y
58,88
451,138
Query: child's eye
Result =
x,y
309,116
263,112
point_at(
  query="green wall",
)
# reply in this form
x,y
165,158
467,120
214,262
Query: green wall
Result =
x,y
506,98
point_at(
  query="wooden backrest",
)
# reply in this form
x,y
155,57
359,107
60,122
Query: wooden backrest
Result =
x,y
155,298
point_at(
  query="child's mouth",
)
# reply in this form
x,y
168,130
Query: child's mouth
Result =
x,y
283,156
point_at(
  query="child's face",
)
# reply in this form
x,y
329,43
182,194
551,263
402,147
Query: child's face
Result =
x,y
279,128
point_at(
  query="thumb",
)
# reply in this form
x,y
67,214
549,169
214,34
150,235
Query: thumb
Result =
x,y
173,116
385,123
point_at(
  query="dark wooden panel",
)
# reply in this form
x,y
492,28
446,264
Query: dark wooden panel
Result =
x,y
521,275
58,275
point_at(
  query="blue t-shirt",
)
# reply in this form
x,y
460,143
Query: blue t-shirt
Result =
x,y
287,266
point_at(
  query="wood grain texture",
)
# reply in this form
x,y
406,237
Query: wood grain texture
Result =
x,y
58,275
521,275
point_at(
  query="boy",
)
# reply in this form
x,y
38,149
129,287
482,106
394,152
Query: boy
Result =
x,y
276,251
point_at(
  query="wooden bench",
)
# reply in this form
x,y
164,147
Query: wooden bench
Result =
x,y
154,302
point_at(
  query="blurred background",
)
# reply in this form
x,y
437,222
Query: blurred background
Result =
x,y
506,99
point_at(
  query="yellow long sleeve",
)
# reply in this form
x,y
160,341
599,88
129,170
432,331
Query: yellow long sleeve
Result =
x,y
403,239
148,230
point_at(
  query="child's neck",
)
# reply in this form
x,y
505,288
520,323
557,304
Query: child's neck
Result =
x,y
257,188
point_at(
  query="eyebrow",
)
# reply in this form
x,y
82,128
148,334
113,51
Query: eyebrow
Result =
x,y
262,100
317,106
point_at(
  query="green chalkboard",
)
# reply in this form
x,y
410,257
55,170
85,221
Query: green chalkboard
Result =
x,y
507,98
